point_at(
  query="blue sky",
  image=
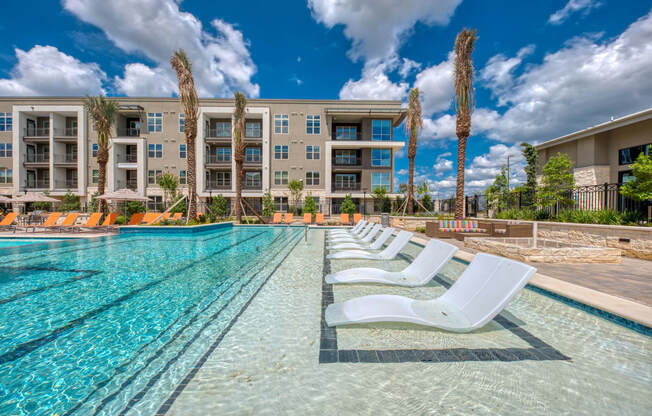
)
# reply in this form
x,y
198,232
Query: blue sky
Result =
x,y
543,69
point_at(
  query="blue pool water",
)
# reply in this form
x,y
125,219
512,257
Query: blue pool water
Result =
x,y
13,242
91,327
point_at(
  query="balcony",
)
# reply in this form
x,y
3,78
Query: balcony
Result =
x,y
217,134
346,162
37,132
70,132
67,184
255,186
131,184
37,158
128,158
68,158
253,161
346,187
218,185
129,132
218,160
38,184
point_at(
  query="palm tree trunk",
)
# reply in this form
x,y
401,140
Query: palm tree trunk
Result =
x,y
191,177
238,190
410,197
102,159
461,157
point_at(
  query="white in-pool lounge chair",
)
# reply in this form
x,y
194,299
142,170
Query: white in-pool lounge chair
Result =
x,y
487,285
363,236
355,236
363,245
435,255
389,253
356,228
352,233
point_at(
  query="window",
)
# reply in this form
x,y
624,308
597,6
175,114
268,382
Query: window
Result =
x,y
252,179
252,154
155,203
152,176
223,154
95,176
6,175
182,122
345,181
346,133
280,177
223,179
280,152
281,203
312,178
95,148
381,130
6,120
380,180
182,151
381,157
182,177
281,123
252,129
313,124
346,157
312,152
6,149
223,129
629,155
154,122
155,150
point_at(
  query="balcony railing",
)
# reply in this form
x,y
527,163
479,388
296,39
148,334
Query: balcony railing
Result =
x,y
129,184
37,132
218,134
218,185
256,186
67,158
253,160
37,158
346,161
67,132
215,159
346,187
38,184
130,132
129,158
67,184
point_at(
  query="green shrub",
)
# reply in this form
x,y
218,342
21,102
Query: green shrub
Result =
x,y
632,218
120,220
348,207
421,229
70,202
268,205
134,207
309,205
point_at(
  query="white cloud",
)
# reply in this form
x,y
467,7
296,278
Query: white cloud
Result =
x,y
44,70
374,85
436,86
498,72
442,164
407,66
402,172
377,28
156,28
571,7
142,81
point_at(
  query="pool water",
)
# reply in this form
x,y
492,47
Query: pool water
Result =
x,y
91,327
13,242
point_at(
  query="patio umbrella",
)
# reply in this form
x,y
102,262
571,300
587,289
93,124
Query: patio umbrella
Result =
x,y
123,195
34,197
5,200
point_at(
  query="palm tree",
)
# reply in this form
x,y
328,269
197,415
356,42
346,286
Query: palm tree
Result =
x,y
413,123
463,105
102,113
239,148
190,104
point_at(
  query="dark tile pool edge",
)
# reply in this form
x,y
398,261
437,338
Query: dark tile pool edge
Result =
x,y
160,229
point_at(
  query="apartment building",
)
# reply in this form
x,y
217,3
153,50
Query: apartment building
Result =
x,y
603,153
334,147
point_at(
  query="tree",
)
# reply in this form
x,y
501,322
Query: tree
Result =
x,y
92,204
640,188
169,183
239,147
42,206
296,189
309,205
403,188
181,207
268,205
348,207
532,158
426,201
382,202
218,206
413,123
102,113
133,207
464,103
498,192
70,202
190,105
557,181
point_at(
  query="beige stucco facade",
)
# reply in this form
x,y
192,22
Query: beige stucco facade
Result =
x,y
52,142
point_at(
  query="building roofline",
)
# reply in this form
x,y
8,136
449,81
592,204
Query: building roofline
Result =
x,y
208,99
599,128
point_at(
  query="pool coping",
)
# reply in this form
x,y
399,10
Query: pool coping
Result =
x,y
623,308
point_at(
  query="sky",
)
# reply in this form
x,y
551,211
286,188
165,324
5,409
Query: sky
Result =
x,y
542,69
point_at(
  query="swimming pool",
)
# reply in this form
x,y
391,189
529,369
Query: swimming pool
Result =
x,y
6,242
89,326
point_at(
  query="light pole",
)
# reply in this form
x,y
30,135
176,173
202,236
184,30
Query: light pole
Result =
x,y
508,173
364,202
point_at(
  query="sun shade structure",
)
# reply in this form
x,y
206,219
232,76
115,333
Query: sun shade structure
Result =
x,y
34,197
5,200
487,285
123,195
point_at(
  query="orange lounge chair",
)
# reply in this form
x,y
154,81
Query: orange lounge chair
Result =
x,y
69,221
136,218
92,222
49,223
177,216
149,217
344,218
289,218
357,218
164,217
199,214
307,218
319,218
8,220
277,218
110,220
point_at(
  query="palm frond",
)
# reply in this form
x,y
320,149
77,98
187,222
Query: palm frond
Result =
x,y
464,97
